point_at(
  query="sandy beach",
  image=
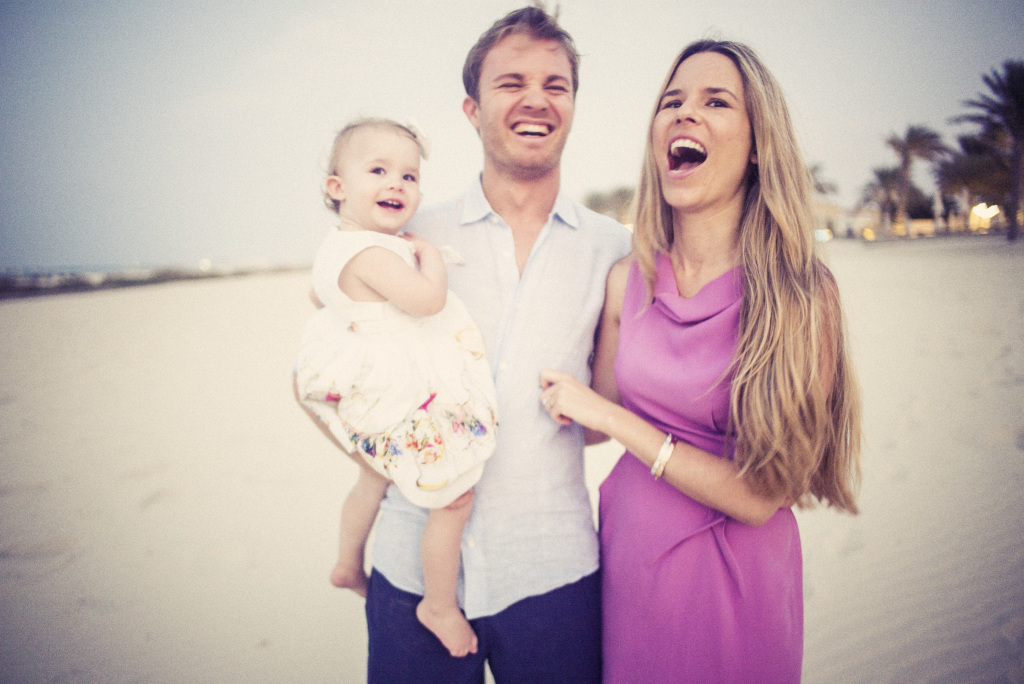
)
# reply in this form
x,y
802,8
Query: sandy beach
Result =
x,y
167,513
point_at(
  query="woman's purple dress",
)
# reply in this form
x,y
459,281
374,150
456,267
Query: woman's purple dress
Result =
x,y
689,594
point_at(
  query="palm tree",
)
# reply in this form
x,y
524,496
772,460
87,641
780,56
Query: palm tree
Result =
x,y
1003,108
617,203
822,185
919,142
883,191
980,168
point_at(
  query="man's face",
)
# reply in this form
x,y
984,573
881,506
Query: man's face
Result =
x,y
526,106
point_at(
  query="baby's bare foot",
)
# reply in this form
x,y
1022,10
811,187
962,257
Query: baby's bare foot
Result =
x,y
450,626
347,576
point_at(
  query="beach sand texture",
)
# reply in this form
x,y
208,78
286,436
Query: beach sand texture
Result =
x,y
167,514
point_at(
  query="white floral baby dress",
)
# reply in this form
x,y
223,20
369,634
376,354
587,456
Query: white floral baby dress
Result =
x,y
412,395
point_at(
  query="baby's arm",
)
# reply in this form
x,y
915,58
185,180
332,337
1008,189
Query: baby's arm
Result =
x,y
381,272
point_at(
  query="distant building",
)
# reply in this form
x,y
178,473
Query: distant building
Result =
x,y
829,216
869,223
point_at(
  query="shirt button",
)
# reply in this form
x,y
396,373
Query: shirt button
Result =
x,y
471,542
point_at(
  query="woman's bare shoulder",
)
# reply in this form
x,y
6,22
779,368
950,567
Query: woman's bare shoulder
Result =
x,y
620,271
615,286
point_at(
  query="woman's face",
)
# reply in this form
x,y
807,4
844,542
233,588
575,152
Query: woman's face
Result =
x,y
701,137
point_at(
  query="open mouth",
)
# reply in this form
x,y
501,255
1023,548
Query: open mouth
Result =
x,y
532,130
686,154
390,204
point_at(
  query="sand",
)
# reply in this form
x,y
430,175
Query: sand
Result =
x,y
167,514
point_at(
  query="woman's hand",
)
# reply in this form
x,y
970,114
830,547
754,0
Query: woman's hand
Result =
x,y
710,479
567,399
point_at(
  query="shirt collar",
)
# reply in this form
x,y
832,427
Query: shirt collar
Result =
x,y
475,208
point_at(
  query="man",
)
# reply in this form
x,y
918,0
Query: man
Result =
x,y
534,277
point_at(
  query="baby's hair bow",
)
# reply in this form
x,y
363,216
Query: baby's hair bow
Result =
x,y
421,139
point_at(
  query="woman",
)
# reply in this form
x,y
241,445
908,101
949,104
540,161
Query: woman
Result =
x,y
722,368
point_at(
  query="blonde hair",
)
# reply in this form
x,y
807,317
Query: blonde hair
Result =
x,y
343,136
790,438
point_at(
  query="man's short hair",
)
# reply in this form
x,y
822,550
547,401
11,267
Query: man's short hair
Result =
x,y
534,22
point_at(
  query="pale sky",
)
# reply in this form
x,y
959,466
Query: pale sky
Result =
x,y
153,133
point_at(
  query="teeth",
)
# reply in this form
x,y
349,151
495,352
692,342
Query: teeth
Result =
x,y
530,129
684,143
394,204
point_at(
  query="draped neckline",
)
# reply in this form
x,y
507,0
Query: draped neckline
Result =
x,y
712,299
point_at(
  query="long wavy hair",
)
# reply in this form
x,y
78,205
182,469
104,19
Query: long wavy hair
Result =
x,y
791,437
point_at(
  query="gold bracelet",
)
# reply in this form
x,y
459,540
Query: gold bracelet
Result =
x,y
664,453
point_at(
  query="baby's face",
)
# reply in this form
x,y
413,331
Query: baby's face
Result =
x,y
379,174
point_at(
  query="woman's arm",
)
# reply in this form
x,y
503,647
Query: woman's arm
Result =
x,y
705,477
710,479
378,274
607,344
